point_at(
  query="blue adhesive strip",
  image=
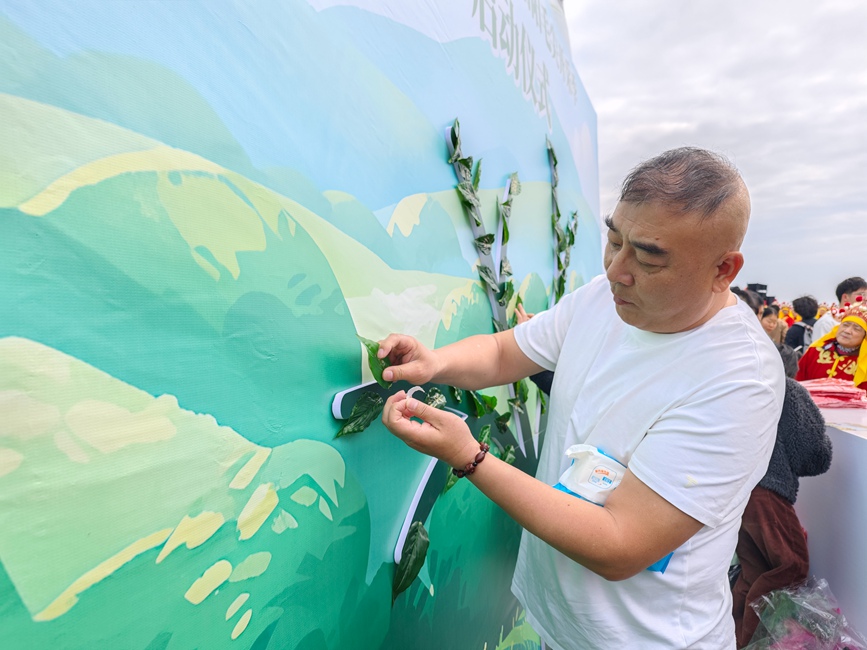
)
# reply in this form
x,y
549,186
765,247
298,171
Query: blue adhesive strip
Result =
x,y
661,565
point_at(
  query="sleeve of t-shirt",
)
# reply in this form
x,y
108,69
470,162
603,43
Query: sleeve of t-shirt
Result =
x,y
706,455
541,338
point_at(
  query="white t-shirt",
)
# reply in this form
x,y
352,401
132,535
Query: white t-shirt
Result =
x,y
694,416
824,326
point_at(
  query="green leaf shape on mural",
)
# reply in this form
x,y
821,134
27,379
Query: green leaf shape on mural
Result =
x,y
457,394
364,412
477,175
411,560
484,243
435,398
376,364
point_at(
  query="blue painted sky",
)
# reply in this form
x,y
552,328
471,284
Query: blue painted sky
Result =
x,y
314,92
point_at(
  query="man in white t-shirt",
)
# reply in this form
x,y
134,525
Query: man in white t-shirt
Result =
x,y
849,291
666,397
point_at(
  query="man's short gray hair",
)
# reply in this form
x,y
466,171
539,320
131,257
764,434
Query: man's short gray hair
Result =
x,y
690,179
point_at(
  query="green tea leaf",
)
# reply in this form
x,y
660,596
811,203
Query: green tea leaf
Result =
x,y
481,405
465,169
551,152
559,287
507,293
543,399
477,174
375,364
561,237
485,435
364,412
456,393
488,276
517,404
522,390
435,398
515,187
468,195
484,244
505,268
502,422
490,403
505,232
411,560
456,142
508,455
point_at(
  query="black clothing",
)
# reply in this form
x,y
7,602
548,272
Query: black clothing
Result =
x,y
795,335
802,447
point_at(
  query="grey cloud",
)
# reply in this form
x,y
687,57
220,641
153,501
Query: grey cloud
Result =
x,y
780,88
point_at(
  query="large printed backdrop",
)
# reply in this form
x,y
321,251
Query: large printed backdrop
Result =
x,y
200,204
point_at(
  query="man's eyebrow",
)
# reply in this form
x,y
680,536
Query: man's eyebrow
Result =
x,y
650,249
647,247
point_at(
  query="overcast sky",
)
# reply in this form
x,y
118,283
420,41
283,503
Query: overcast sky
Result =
x,y
778,87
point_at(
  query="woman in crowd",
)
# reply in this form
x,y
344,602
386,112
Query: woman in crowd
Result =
x,y
841,354
771,324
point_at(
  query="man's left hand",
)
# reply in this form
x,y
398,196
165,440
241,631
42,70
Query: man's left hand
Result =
x,y
440,434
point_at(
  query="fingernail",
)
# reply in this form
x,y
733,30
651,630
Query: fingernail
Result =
x,y
412,404
387,375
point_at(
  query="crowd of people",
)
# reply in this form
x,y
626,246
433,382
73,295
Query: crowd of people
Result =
x,y
828,340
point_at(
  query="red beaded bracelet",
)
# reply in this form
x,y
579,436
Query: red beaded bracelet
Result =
x,y
469,468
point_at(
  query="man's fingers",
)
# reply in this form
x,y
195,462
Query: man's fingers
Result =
x,y
387,344
410,372
433,416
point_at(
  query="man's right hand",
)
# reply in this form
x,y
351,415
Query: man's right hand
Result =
x,y
410,360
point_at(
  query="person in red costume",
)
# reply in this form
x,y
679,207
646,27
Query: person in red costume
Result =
x,y
841,354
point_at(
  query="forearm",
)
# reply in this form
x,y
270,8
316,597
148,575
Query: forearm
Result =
x,y
482,361
584,532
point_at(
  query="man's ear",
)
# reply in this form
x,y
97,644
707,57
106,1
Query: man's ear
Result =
x,y
727,269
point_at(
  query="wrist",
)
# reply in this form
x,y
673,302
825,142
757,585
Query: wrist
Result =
x,y
439,367
473,455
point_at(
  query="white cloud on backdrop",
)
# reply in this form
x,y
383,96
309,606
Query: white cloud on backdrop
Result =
x,y
778,87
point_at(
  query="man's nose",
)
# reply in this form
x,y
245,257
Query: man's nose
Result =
x,y
617,271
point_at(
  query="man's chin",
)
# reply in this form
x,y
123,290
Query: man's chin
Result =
x,y
628,313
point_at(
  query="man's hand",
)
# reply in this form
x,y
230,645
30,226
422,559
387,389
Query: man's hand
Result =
x,y
410,360
440,434
521,315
